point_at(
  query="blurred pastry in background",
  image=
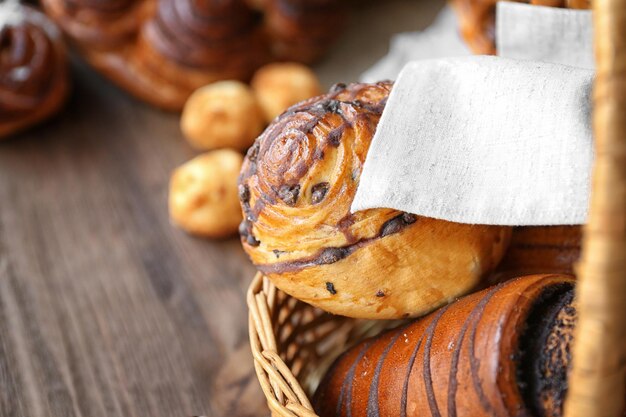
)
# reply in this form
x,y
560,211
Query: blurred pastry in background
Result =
x,y
477,20
279,86
297,185
224,114
540,249
34,80
161,51
203,194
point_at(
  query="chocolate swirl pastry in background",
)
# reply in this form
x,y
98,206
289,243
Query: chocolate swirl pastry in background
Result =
x,y
163,50
33,68
504,351
296,187
477,20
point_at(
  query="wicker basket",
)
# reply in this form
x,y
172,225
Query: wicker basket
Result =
x,y
293,343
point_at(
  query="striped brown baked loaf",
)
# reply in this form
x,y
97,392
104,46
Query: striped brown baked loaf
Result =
x,y
504,351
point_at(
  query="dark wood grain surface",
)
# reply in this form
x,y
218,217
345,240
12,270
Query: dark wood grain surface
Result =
x,y
106,309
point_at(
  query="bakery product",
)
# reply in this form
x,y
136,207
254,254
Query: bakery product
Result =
x,y
540,249
279,86
296,187
34,80
224,114
504,351
163,50
203,194
477,20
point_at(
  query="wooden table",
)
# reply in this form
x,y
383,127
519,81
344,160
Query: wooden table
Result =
x,y
105,308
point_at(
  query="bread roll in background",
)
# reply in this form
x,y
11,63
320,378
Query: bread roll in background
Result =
x,y
503,351
203,194
296,187
279,86
224,114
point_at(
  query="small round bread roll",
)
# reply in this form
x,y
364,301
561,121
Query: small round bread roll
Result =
x,y
278,86
224,114
203,194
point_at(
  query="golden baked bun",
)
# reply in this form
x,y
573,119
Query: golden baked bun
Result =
x,y
477,20
296,187
279,86
163,50
203,194
224,114
34,80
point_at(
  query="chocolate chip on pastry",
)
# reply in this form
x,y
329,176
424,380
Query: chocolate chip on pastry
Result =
x,y
477,20
203,196
163,50
300,178
504,351
34,80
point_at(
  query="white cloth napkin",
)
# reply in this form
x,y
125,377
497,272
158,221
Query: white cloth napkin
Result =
x,y
562,36
485,139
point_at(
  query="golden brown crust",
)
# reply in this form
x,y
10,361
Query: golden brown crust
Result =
x,y
162,51
224,114
296,187
279,86
503,351
477,19
34,80
203,194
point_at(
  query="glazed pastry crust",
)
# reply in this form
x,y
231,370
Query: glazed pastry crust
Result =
x,y
296,188
161,51
477,20
34,81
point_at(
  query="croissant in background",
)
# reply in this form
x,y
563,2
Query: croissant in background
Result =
x,y
504,351
163,50
34,80
296,188
477,20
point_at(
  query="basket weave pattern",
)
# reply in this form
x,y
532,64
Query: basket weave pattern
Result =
x,y
293,344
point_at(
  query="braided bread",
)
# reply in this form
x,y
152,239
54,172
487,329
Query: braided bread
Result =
x,y
33,68
162,50
477,20
296,188
504,351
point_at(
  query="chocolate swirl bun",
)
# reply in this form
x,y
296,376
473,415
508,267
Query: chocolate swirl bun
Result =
x,y
504,351
163,50
296,187
33,68
477,20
